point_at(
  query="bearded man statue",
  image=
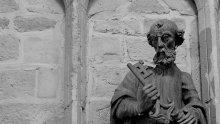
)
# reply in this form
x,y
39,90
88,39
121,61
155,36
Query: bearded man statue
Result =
x,y
165,95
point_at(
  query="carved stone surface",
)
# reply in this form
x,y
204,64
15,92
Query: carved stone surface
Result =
x,y
156,94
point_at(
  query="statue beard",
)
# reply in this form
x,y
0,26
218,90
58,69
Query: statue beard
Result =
x,y
164,57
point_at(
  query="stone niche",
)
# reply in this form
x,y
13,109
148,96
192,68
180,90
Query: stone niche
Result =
x,y
117,35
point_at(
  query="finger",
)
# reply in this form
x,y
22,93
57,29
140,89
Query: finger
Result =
x,y
154,98
183,118
147,86
147,91
193,121
158,95
153,93
180,115
188,120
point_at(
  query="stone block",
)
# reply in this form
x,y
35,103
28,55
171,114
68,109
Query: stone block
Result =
x,y
126,27
29,113
147,6
98,6
48,81
55,120
4,22
45,6
139,49
185,7
98,112
17,84
9,47
104,80
8,6
42,49
33,23
105,49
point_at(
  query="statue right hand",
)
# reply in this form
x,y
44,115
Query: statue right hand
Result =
x,y
150,95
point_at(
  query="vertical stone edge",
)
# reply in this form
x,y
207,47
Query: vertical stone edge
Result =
x,y
68,62
82,85
208,37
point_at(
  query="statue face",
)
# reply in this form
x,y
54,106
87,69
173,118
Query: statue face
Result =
x,y
163,36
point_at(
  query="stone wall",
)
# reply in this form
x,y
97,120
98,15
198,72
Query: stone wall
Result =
x,y
117,36
31,61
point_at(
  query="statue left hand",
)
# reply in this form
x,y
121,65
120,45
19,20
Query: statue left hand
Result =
x,y
187,117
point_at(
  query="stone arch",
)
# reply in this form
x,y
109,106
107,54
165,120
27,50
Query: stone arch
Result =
x,y
76,19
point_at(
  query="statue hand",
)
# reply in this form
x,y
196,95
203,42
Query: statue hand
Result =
x,y
150,95
187,117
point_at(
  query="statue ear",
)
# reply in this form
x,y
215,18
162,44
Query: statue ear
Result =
x,y
149,39
179,37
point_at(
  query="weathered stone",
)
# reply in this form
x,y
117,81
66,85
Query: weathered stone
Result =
x,y
147,6
104,5
105,80
45,6
4,22
33,24
29,113
41,49
127,27
186,7
56,120
139,49
194,54
17,84
147,24
98,112
48,80
9,47
105,49
181,24
181,54
8,6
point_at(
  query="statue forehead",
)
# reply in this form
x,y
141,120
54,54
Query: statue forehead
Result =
x,y
162,26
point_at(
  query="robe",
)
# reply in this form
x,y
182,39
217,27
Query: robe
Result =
x,y
173,85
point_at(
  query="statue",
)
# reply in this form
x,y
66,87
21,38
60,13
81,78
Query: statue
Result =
x,y
160,95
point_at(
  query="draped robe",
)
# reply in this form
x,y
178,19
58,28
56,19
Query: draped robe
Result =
x,y
173,85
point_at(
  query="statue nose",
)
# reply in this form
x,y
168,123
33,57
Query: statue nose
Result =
x,y
160,43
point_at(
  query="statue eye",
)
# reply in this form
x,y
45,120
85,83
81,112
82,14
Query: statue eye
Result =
x,y
165,37
153,38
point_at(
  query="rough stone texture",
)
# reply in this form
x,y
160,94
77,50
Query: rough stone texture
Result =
x,y
33,24
139,49
48,80
106,49
194,54
45,6
41,50
98,112
17,84
98,6
126,27
55,120
148,6
181,54
105,80
4,22
8,6
9,47
185,7
28,113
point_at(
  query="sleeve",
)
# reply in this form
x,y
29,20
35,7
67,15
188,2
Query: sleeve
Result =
x,y
124,101
191,99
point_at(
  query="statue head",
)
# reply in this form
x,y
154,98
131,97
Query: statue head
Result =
x,y
165,37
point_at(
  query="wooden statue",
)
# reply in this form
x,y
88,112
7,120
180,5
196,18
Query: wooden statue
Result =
x,y
160,95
